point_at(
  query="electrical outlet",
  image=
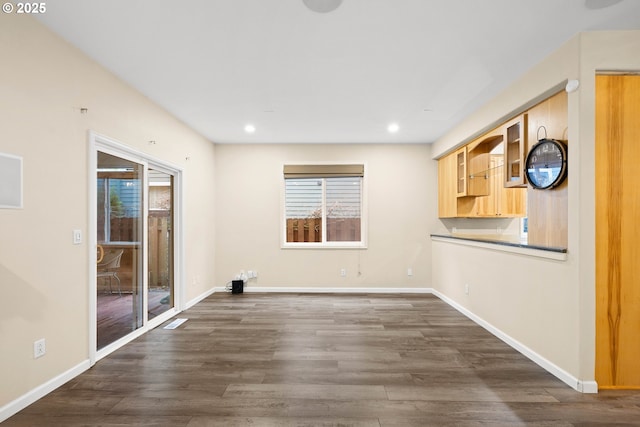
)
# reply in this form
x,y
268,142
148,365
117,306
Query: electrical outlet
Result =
x,y
250,274
409,271
39,348
343,272
466,289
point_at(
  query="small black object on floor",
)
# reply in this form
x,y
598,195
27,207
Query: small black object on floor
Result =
x,y
237,286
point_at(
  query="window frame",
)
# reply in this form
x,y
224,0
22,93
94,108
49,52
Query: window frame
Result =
x,y
362,244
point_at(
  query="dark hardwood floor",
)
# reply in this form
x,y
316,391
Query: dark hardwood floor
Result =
x,y
323,360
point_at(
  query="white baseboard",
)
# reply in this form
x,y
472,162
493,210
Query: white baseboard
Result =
x,y
200,297
27,399
330,290
561,374
587,387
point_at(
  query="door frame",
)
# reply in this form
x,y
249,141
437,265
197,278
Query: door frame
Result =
x,y
108,145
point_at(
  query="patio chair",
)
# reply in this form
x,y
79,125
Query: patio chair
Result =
x,y
109,265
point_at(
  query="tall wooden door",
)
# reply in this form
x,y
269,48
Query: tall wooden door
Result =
x,y
618,231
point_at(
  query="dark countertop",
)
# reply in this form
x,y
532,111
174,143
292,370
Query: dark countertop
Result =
x,y
499,240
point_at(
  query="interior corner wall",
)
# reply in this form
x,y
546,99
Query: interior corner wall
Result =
x,y
44,277
547,306
401,193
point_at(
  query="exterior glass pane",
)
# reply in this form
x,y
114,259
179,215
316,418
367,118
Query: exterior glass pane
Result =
x,y
160,297
119,270
303,209
312,204
343,198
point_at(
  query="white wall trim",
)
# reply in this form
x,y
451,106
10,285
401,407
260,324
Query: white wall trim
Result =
x,y
330,290
30,397
587,387
200,297
561,374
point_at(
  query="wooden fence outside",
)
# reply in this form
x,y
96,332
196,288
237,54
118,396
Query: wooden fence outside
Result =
x,y
160,238
124,229
159,248
310,230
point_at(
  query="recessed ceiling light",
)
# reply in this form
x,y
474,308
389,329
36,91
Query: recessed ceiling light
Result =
x,y
322,6
393,128
249,128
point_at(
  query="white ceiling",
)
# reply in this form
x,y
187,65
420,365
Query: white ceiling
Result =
x,y
338,77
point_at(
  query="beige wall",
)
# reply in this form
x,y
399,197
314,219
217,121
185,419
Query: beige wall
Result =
x,y
548,306
401,193
43,276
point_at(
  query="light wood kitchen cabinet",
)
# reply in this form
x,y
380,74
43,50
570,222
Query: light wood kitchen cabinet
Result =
x,y
498,202
515,151
513,201
447,190
478,170
547,211
472,165
479,154
501,201
490,205
471,180
461,171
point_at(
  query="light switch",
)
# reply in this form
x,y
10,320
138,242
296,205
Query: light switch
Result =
x,y
77,237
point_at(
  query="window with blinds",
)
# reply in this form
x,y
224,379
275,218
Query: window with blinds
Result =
x,y
323,204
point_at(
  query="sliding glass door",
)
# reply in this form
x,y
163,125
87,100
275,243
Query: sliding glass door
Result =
x,y
133,288
119,271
